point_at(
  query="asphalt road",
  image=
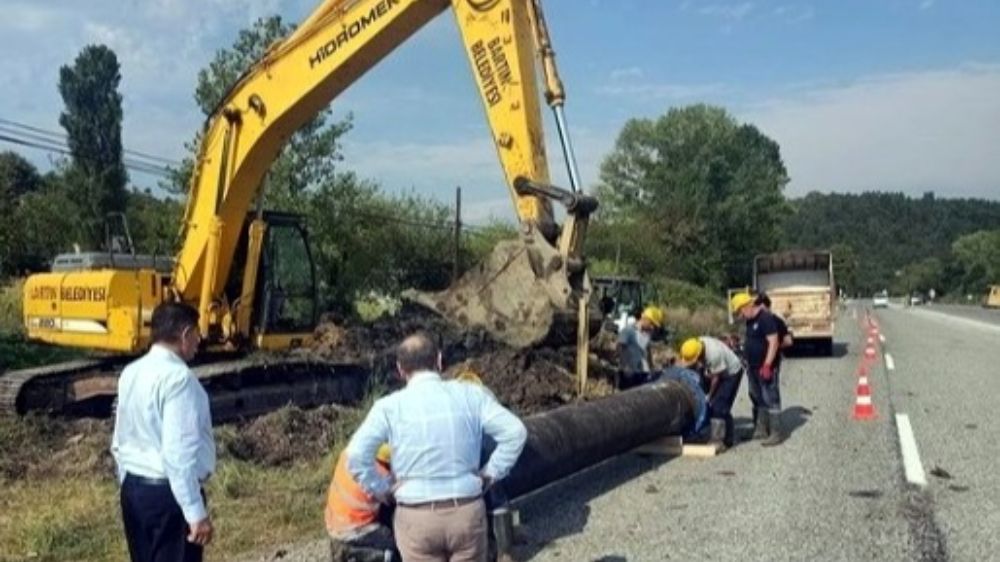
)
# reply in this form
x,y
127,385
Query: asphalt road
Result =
x,y
977,313
836,490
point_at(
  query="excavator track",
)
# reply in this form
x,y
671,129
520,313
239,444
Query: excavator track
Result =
x,y
238,388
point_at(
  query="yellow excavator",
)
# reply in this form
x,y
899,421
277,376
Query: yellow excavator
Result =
x,y
249,272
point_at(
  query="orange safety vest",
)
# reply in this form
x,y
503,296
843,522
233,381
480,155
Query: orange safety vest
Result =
x,y
348,506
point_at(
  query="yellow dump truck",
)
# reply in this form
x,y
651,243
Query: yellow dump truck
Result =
x,y
992,297
801,286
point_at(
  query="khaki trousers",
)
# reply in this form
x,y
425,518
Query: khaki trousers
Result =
x,y
442,534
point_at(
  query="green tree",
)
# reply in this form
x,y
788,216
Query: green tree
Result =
x,y
703,190
978,255
17,177
919,277
47,222
93,122
845,267
889,231
154,222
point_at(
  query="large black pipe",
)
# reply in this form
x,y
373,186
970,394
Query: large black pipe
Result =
x,y
571,438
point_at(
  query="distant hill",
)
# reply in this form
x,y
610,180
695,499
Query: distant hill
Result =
x,y
886,231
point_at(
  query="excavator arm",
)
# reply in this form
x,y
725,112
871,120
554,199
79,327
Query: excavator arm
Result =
x,y
302,74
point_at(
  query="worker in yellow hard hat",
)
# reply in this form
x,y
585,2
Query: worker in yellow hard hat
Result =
x,y
722,370
760,348
360,527
635,360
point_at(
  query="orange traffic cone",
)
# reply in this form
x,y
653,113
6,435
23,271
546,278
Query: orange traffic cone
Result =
x,y
864,408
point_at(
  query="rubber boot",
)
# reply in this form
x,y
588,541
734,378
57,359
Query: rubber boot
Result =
x,y
776,435
760,426
717,433
729,439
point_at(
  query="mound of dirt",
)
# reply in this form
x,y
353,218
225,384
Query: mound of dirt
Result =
x,y
37,447
288,435
526,380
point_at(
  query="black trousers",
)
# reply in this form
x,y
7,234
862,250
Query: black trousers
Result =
x,y
154,524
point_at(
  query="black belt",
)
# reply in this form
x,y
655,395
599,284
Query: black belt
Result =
x,y
146,480
442,504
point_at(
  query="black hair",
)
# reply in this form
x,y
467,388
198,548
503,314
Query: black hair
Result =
x,y
417,353
763,299
170,319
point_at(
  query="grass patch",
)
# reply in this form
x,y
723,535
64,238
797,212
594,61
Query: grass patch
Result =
x,y
61,519
59,499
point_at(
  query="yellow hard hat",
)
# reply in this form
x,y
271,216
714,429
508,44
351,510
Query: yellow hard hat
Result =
x,y
469,376
740,300
654,314
691,351
384,454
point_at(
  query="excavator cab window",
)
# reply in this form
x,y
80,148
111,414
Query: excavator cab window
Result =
x,y
287,287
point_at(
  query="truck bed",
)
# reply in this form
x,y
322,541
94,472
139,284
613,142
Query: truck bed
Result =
x,y
808,311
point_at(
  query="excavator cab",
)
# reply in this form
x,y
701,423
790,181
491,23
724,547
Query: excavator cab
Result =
x,y
287,279
279,309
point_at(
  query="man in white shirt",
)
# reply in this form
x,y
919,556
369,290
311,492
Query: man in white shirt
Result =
x,y
435,429
163,444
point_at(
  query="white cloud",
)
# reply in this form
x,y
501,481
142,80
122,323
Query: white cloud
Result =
x,y
932,130
630,82
794,13
29,17
625,73
730,12
655,91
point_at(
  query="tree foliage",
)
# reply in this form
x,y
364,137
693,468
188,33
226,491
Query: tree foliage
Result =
x,y
93,122
889,232
701,191
978,258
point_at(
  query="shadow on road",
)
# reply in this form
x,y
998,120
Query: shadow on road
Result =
x,y
562,509
803,350
791,420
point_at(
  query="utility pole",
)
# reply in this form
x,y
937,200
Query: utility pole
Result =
x,y
458,234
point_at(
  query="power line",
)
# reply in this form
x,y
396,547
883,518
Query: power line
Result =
x,y
61,137
52,148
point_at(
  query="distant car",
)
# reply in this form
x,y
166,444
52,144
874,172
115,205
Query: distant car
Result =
x,y
881,300
916,300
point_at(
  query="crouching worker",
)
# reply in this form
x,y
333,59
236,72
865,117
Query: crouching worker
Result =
x,y
359,526
635,360
722,370
699,404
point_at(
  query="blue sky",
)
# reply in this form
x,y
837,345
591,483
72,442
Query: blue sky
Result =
x,y
875,94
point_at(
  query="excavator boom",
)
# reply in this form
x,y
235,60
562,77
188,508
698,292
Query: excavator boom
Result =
x,y
233,254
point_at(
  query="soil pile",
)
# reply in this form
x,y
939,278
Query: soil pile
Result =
x,y
41,447
288,435
526,380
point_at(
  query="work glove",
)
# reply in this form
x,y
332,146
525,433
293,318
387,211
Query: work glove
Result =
x,y
766,373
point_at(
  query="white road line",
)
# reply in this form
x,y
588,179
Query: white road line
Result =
x,y
881,338
911,458
889,363
863,381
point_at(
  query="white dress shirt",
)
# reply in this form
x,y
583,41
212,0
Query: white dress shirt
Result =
x,y
163,427
435,429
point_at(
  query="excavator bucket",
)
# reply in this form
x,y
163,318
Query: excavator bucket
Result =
x,y
520,294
